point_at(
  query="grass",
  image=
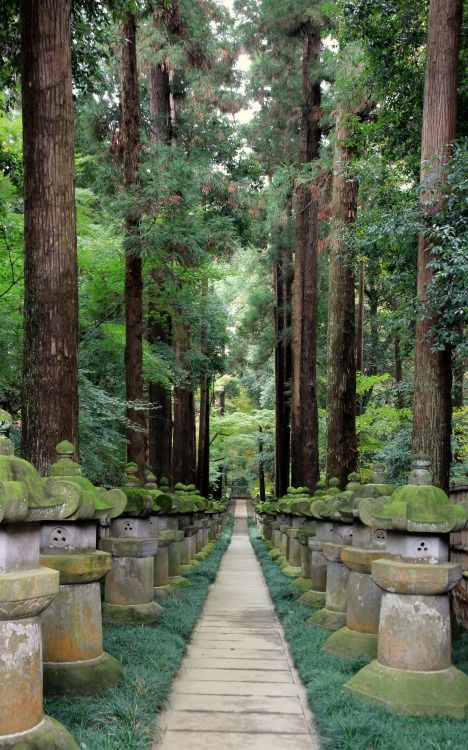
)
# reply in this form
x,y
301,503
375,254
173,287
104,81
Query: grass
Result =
x,y
343,722
124,718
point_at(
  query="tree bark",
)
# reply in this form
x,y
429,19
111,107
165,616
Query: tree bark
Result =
x,y
50,369
360,330
184,461
159,322
130,138
203,463
261,470
341,365
282,282
304,412
432,410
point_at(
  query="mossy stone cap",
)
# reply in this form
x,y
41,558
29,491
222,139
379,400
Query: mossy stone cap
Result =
x,y
416,507
5,421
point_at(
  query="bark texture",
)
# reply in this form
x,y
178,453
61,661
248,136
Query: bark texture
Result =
x,y
203,463
282,282
304,413
341,364
184,457
50,370
433,375
159,324
130,139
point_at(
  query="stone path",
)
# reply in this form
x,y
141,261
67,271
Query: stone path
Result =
x,y
237,688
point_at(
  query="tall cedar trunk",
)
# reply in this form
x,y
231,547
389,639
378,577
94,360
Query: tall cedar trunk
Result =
x,y
304,414
203,460
184,462
160,413
159,324
433,376
218,488
360,330
341,365
50,370
130,138
203,463
261,470
282,282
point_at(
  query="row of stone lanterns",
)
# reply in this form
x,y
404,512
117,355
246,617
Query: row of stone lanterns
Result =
x,y
50,573
386,585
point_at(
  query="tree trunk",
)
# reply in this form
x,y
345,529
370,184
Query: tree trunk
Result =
x,y
360,330
203,463
261,470
184,441
304,413
160,413
159,323
130,139
50,370
282,281
341,366
432,410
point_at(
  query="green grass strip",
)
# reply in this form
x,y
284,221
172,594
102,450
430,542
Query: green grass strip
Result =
x,y
344,722
124,718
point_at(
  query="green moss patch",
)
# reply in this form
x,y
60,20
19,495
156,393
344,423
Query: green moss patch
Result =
x,y
343,721
124,718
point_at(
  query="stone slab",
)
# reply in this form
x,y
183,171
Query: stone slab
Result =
x,y
230,721
265,704
215,687
179,740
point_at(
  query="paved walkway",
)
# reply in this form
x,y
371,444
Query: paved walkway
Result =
x,y
237,688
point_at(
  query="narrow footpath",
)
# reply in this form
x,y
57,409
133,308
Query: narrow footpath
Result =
x,y
237,688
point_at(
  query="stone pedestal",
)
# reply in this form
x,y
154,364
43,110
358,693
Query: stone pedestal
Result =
x,y
187,558
293,569
315,596
74,660
176,580
26,590
333,615
164,537
284,546
275,539
128,593
413,671
303,583
358,639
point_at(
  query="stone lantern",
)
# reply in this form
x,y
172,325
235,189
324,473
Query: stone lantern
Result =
x,y
26,591
413,672
358,638
74,659
128,592
333,508
297,502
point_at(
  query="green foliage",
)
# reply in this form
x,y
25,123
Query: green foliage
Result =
x,y
123,718
344,722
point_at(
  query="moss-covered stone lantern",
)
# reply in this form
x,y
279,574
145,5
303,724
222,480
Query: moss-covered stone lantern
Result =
x,y
358,638
74,659
26,591
334,509
297,503
413,672
128,592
